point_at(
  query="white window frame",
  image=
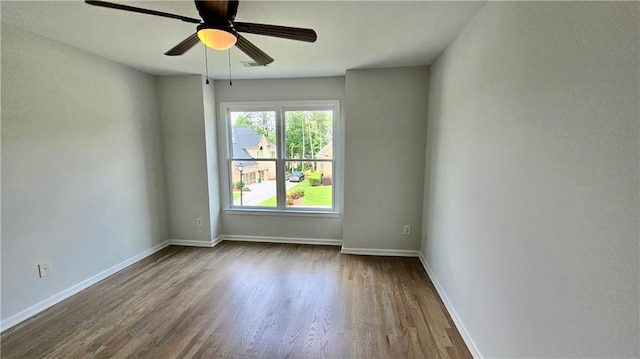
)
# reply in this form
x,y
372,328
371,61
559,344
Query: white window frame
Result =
x,y
279,107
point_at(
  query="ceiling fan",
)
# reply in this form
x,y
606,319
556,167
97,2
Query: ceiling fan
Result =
x,y
219,30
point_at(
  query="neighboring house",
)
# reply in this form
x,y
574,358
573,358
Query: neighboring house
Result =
x,y
249,144
325,153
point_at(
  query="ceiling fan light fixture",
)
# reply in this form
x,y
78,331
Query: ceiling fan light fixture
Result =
x,y
215,37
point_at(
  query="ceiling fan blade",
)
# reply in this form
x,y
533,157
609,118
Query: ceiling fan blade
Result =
x,y
213,11
285,32
141,10
184,46
253,51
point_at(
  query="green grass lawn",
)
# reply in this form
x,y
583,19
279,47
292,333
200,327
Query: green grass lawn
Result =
x,y
313,195
271,202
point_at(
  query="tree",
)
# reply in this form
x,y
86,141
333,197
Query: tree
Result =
x,y
307,132
263,123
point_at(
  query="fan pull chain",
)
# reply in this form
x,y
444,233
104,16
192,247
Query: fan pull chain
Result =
x,y
206,61
230,83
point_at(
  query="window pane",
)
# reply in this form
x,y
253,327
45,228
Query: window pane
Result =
x,y
253,134
309,184
309,134
277,151
258,182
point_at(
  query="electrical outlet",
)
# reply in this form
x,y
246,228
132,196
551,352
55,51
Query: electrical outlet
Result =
x,y
199,222
407,230
44,269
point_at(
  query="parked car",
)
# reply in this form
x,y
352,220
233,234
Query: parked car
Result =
x,y
296,176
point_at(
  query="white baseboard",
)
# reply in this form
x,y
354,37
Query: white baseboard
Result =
x,y
39,307
192,243
319,241
454,315
381,252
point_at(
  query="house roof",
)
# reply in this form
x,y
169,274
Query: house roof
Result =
x,y
245,137
240,153
324,151
248,137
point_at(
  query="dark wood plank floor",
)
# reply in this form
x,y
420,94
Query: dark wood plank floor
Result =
x,y
248,300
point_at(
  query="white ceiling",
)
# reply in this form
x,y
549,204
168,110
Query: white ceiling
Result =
x,y
351,34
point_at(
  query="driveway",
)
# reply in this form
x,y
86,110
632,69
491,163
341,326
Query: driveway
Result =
x,y
260,192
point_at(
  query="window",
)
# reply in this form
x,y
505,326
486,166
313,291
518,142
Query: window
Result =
x,y
299,172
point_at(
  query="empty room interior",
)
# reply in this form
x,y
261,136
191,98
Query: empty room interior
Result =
x,y
364,179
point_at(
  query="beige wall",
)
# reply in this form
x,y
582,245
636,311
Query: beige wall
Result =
x,y
325,167
213,177
262,170
533,188
384,158
185,160
82,174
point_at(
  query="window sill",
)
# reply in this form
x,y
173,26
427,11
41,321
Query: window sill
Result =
x,y
270,212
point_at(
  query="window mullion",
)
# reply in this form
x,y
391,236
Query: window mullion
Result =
x,y
280,171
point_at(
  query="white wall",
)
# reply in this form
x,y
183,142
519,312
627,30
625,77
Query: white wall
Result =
x,y
81,167
326,88
385,140
185,161
533,185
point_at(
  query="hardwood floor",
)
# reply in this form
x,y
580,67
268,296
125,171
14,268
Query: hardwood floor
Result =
x,y
248,300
